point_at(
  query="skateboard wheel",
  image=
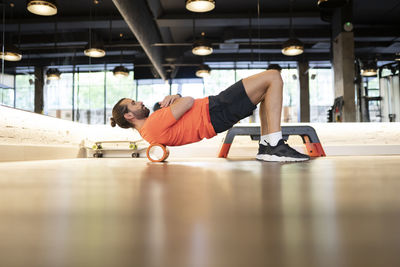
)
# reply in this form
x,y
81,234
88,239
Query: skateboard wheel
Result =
x,y
94,147
97,155
157,152
132,146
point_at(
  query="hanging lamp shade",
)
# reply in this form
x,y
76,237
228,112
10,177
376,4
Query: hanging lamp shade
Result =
x,y
369,69
120,72
202,47
203,71
397,58
53,74
42,7
368,72
292,47
200,5
95,50
11,53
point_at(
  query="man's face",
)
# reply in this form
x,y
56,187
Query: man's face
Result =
x,y
137,108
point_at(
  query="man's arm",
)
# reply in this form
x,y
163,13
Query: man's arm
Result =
x,y
179,105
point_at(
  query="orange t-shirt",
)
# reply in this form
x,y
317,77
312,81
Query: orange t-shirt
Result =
x,y
161,126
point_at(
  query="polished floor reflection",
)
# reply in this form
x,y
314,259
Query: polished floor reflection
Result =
x,y
334,211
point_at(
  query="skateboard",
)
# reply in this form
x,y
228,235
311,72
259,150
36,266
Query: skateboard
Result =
x,y
128,146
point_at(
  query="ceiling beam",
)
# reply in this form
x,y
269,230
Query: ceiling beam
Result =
x,y
63,24
240,20
77,60
140,20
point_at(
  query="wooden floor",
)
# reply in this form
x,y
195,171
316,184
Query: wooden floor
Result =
x,y
334,211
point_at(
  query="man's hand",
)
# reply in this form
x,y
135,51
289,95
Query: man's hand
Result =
x,y
169,100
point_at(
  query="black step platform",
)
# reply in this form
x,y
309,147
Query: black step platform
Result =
x,y
307,133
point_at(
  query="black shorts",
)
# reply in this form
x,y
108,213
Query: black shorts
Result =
x,y
229,107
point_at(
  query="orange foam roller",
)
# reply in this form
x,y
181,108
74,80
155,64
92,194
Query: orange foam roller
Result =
x,y
157,152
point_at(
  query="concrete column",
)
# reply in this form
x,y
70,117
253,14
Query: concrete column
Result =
x,y
39,96
343,60
304,92
343,65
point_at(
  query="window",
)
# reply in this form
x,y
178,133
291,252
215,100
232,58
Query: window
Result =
x,y
321,93
93,94
118,88
89,97
218,81
58,99
7,97
25,91
7,89
291,95
152,91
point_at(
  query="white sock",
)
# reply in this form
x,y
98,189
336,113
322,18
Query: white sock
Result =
x,y
272,139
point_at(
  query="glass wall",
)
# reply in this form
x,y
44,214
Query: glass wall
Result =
x,y
58,97
218,81
190,87
7,96
25,91
151,91
117,88
7,85
371,89
89,96
321,93
291,95
82,96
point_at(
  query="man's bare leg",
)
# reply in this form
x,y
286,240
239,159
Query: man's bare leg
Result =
x,y
266,88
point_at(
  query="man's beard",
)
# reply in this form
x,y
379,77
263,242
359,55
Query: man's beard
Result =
x,y
142,113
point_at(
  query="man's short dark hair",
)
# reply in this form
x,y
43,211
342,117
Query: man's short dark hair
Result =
x,y
274,67
156,106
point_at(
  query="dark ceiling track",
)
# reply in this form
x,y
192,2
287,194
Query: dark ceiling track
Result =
x,y
139,19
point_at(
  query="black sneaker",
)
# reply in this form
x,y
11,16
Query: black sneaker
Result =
x,y
281,152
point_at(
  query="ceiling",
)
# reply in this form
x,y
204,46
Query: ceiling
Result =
x,y
249,31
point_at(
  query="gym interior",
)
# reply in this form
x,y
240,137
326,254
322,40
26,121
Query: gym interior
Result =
x,y
76,192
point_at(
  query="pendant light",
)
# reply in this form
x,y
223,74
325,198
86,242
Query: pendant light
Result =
x,y
397,58
369,69
94,50
203,71
11,53
42,7
95,47
200,5
120,72
293,46
53,74
8,51
368,72
202,47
